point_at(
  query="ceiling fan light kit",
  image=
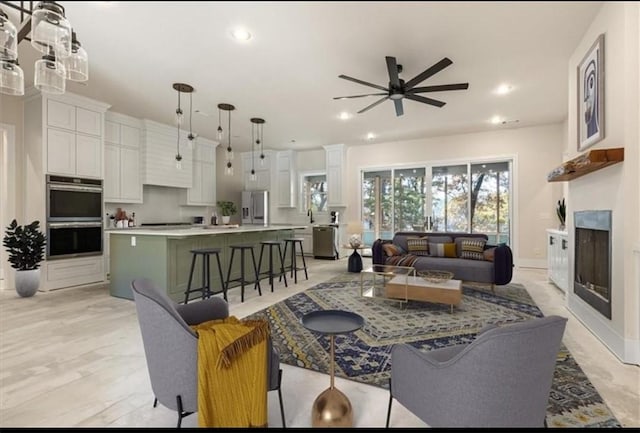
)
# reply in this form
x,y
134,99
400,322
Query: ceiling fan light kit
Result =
x,y
398,89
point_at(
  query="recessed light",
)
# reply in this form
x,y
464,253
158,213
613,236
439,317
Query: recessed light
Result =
x,y
371,136
503,89
345,116
496,119
241,35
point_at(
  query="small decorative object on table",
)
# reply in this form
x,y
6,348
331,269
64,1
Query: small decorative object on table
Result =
x,y
355,241
561,211
436,276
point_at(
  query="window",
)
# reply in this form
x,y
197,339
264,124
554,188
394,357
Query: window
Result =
x,y
314,192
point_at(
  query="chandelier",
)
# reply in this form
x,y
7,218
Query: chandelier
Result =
x,y
51,33
257,125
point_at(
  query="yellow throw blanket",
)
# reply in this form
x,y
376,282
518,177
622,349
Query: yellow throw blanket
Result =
x,y
232,373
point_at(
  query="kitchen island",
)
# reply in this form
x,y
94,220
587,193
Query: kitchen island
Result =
x,y
163,255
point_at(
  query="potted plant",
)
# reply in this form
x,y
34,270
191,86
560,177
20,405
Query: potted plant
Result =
x,y
25,246
227,208
561,211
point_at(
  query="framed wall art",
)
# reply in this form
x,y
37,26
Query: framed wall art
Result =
x,y
591,96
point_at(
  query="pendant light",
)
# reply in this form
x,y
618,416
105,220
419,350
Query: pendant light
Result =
x,y
50,30
191,138
219,127
229,157
8,38
180,88
77,64
11,78
256,140
261,139
50,75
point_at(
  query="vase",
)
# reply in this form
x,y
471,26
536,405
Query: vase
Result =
x,y
226,219
27,282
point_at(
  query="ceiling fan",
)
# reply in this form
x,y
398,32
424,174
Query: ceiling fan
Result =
x,y
399,89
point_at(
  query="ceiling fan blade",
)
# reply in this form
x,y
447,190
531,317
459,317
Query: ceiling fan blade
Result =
x,y
355,80
369,107
359,96
399,108
392,68
440,88
429,72
425,100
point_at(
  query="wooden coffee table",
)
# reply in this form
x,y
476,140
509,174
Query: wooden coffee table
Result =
x,y
416,288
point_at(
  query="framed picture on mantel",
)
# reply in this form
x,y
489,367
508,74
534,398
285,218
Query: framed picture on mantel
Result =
x,y
591,96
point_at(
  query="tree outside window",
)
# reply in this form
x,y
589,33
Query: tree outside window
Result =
x,y
314,190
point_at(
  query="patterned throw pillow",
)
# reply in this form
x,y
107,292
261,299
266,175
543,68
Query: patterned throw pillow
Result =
x,y
418,246
391,250
443,250
473,249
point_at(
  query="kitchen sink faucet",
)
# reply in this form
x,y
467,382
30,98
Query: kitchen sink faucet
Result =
x,y
310,215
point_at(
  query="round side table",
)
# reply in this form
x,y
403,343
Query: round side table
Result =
x,y
332,408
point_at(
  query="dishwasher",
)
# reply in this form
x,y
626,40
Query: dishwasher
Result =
x,y
325,242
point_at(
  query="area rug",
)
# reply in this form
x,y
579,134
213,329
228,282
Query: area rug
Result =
x,y
364,356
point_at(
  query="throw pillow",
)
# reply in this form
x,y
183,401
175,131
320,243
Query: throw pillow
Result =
x,y
391,250
489,254
443,250
473,249
458,240
418,246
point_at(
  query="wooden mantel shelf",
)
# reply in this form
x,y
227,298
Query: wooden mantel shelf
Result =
x,y
586,163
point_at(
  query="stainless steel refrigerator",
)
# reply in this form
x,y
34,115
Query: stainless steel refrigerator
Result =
x,y
255,208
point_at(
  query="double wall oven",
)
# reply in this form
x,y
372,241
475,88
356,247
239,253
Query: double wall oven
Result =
x,y
74,217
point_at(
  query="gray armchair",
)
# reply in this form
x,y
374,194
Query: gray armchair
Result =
x,y
501,379
171,346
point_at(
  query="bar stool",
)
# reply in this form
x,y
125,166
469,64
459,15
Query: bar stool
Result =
x,y
271,245
206,278
294,264
242,279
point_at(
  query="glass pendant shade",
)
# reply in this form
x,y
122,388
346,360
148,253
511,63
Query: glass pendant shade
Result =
x,y
50,30
11,78
262,160
49,75
219,133
77,64
229,170
229,154
253,175
179,117
191,140
8,38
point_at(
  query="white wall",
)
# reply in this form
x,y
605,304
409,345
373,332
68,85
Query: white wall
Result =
x,y
616,187
536,151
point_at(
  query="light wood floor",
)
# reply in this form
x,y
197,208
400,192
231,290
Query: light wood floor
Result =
x,y
74,357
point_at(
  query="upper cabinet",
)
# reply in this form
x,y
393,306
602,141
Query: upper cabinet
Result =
x,y
122,179
158,156
335,162
262,168
64,134
285,179
203,191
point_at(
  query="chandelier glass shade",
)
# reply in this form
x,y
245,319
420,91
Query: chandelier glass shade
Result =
x,y
180,88
49,31
50,75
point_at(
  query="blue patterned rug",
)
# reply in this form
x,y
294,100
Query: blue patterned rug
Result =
x,y
364,355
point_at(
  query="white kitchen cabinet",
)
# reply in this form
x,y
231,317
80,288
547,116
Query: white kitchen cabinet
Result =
x,y
203,191
335,162
285,179
62,135
158,151
74,138
262,169
122,181
558,258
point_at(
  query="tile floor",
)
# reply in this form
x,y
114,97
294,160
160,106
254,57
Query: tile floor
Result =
x,y
74,357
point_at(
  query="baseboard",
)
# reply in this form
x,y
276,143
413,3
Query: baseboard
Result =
x,y
622,348
531,263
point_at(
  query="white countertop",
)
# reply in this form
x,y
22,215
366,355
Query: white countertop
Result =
x,y
181,231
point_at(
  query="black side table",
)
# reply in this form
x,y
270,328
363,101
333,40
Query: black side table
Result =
x,y
332,408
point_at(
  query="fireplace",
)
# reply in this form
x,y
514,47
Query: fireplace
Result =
x,y
592,276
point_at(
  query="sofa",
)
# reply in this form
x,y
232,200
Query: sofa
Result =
x,y
467,255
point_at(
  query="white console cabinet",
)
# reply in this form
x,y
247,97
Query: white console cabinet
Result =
x,y
558,258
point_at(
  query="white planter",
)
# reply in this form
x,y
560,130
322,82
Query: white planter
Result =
x,y
226,219
27,282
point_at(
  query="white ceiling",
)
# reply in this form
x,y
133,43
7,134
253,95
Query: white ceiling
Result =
x,y
288,73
